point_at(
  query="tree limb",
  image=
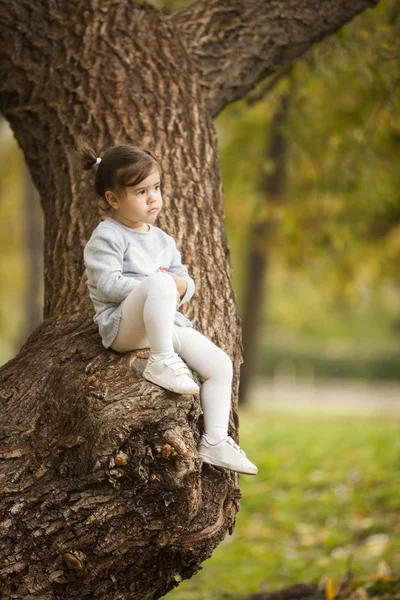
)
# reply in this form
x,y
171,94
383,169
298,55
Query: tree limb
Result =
x,y
235,45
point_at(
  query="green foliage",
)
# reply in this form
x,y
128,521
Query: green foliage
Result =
x,y
326,493
12,267
335,246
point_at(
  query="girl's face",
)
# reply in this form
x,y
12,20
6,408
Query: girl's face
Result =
x,y
142,203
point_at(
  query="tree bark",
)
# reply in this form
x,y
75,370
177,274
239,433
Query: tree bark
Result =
x,y
33,238
102,495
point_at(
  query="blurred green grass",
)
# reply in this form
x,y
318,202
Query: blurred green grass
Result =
x,y
327,492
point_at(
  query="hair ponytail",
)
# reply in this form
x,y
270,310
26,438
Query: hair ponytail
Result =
x,y
85,153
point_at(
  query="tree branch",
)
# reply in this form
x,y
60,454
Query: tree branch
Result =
x,y
235,45
269,85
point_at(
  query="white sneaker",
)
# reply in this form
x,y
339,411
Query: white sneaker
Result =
x,y
172,374
226,454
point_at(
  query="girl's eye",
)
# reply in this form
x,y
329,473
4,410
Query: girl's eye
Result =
x,y
157,187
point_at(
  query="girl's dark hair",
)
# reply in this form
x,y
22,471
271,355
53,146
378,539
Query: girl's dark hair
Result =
x,y
120,166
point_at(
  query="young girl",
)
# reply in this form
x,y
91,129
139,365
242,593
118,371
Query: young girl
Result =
x,y
137,282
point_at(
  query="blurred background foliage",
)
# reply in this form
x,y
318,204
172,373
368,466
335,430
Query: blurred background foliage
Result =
x,y
333,278
21,273
333,289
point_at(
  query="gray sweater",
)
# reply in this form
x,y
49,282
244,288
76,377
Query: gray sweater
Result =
x,y
117,258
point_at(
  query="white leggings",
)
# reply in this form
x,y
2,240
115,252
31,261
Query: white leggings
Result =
x,y
148,321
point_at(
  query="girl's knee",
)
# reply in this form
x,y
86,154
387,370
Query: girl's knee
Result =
x,y
224,362
229,363
162,281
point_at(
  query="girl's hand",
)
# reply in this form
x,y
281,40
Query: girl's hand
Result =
x,y
181,284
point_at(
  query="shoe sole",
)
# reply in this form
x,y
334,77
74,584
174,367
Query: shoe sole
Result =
x,y
162,384
220,463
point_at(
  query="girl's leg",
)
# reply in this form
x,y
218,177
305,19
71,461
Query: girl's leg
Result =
x,y
215,366
148,316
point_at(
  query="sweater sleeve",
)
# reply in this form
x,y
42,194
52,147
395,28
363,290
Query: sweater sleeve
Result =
x,y
179,269
103,258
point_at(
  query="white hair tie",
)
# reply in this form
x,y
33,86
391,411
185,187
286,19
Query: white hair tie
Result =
x,y
98,161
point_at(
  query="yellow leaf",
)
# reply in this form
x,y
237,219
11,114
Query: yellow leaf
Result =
x,y
330,591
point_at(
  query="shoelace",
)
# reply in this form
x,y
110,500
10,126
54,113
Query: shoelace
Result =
x,y
177,364
232,442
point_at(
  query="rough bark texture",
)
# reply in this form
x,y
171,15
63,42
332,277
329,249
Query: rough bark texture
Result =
x,y
102,495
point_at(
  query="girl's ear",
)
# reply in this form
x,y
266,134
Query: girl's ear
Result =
x,y
111,199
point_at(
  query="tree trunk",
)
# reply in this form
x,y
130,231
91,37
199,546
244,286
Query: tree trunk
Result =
x,y
102,495
33,238
272,187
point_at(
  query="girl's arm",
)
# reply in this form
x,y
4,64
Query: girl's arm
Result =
x,y
103,258
177,268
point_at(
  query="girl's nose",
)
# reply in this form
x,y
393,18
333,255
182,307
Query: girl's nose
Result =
x,y
152,196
